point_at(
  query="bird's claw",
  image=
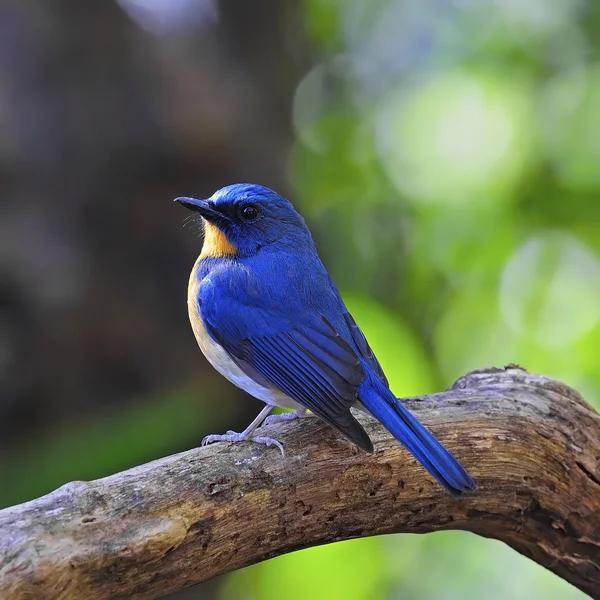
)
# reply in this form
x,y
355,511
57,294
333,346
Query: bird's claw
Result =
x,y
232,436
286,416
269,441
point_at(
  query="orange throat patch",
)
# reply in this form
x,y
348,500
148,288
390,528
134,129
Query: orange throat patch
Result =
x,y
216,244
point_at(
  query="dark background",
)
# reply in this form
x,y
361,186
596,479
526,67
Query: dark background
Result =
x,y
445,154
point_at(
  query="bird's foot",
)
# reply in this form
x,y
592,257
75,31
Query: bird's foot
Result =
x,y
269,441
232,436
287,416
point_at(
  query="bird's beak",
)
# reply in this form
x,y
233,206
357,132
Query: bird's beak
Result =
x,y
201,206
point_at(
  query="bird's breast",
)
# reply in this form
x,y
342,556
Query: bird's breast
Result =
x,y
220,359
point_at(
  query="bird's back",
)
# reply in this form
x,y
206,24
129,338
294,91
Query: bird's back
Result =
x,y
296,286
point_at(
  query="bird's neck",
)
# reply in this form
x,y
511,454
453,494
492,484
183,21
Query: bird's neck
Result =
x,y
216,245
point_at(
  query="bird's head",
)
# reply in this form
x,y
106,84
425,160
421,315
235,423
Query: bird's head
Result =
x,y
241,219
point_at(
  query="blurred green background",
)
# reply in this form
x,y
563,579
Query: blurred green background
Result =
x,y
446,155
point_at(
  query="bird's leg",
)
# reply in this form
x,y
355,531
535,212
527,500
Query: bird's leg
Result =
x,y
286,416
232,436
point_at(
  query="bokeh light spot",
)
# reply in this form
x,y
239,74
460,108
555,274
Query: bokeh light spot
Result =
x,y
170,16
457,139
550,290
570,126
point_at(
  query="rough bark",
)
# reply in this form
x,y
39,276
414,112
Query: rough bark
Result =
x,y
531,443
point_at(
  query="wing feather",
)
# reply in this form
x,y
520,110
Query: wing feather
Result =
x,y
363,347
306,358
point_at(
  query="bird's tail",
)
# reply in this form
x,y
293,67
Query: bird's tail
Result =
x,y
396,418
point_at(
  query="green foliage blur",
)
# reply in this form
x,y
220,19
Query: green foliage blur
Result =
x,y
447,158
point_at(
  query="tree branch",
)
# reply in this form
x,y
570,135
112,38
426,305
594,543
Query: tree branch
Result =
x,y
531,443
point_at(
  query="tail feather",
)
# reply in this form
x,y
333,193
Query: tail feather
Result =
x,y
421,443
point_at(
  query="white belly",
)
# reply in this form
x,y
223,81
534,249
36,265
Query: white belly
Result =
x,y
224,364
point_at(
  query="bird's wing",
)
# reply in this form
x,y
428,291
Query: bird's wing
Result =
x,y
363,347
305,358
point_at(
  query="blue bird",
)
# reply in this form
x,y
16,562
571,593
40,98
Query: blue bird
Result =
x,y
268,317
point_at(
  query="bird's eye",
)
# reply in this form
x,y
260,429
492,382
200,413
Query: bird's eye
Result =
x,y
248,212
